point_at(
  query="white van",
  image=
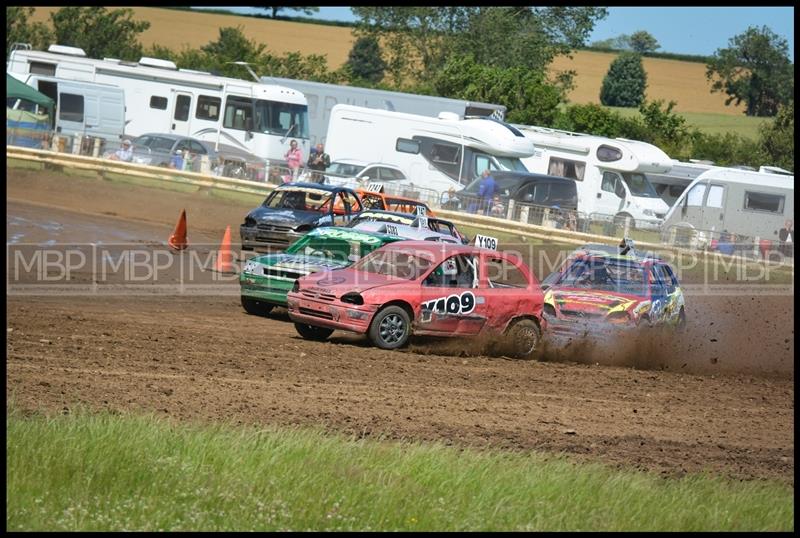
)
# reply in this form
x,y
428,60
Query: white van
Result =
x,y
84,108
436,153
752,205
609,172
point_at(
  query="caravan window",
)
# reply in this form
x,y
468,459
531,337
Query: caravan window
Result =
x,y
761,201
159,103
714,198
695,195
43,68
566,168
238,113
207,108
608,154
182,106
71,107
407,146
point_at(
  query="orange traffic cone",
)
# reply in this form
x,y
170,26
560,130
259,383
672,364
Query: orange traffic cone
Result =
x,y
224,263
177,241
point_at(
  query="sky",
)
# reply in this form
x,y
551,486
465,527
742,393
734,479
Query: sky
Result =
x,y
681,30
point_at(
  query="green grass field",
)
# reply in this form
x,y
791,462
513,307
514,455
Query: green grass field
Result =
x,y
96,472
712,123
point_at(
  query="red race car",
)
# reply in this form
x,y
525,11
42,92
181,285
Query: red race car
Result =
x,y
424,288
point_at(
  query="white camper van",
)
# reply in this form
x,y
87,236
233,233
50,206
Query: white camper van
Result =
x,y
670,185
83,108
746,203
258,118
323,97
436,153
609,172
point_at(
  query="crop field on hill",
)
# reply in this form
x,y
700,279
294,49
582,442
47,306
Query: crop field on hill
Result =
x,y
713,123
680,81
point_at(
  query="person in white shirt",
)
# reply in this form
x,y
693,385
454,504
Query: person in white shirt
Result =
x,y
124,153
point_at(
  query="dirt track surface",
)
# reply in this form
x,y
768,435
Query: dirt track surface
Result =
x,y
202,357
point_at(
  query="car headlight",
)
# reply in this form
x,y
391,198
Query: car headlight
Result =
x,y
250,267
249,221
649,212
352,298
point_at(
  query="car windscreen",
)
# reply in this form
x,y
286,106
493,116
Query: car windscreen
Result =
x,y
605,275
366,216
344,169
640,185
298,199
155,143
397,263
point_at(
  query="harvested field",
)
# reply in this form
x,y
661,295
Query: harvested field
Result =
x,y
676,80
201,357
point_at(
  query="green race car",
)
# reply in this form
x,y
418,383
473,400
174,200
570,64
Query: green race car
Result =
x,y
266,279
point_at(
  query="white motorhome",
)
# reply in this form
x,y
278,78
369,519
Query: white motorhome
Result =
x,y
83,108
670,185
261,119
323,97
609,172
746,203
436,153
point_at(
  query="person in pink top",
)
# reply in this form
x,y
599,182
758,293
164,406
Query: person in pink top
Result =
x,y
294,158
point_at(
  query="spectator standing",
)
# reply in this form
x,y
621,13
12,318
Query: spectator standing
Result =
x,y
319,161
786,237
486,190
124,153
294,159
449,199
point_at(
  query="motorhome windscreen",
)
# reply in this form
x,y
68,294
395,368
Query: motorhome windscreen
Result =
x,y
298,199
511,163
273,117
605,274
639,185
395,263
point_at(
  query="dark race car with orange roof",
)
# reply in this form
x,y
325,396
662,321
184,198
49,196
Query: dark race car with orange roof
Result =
x,y
424,288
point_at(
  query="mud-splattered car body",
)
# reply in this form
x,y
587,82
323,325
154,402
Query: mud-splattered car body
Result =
x,y
424,288
596,293
266,279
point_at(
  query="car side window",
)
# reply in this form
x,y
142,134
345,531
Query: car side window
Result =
x,y
459,271
609,182
182,145
669,276
370,173
501,273
390,174
197,148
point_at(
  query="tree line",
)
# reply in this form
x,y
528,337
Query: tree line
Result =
x,y
492,54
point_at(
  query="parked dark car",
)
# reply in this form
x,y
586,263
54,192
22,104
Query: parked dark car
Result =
x,y
537,189
294,209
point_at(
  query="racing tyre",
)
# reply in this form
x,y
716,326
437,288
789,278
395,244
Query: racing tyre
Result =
x,y
256,307
310,332
522,339
390,328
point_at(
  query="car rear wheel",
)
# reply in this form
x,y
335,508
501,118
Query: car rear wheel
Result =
x,y
390,328
256,307
311,332
522,339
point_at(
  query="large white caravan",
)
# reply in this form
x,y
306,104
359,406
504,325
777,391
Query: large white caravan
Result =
x,y
746,203
436,153
609,172
258,118
670,185
323,97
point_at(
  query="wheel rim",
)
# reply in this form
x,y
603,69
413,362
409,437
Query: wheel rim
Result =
x,y
392,329
527,341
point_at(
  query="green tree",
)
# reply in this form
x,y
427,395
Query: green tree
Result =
x,y
642,42
418,41
232,46
365,60
776,139
19,30
625,82
99,32
529,97
275,10
755,68
621,42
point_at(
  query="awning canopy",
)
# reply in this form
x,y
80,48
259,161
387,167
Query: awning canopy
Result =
x,y
20,90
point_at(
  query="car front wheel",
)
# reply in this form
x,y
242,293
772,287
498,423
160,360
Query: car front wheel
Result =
x,y
522,339
256,307
310,332
390,328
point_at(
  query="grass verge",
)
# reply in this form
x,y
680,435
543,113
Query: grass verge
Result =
x,y
113,472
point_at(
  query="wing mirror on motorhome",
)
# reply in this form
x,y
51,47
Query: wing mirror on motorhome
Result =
x,y
248,126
